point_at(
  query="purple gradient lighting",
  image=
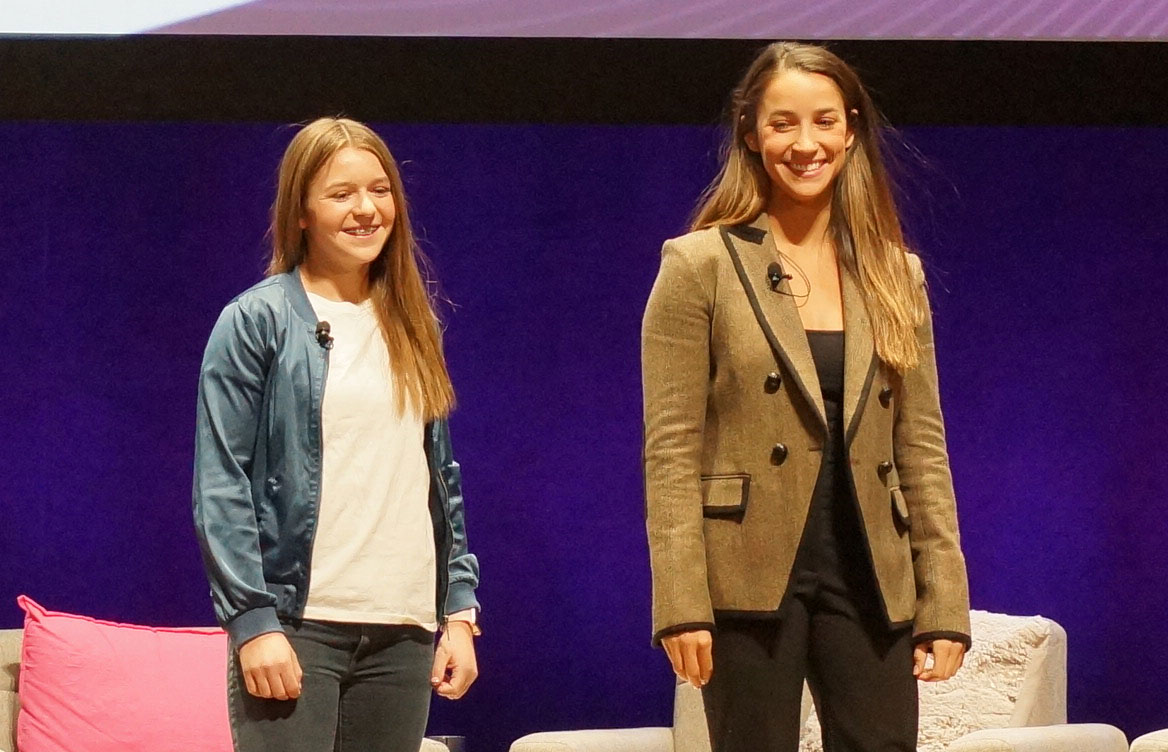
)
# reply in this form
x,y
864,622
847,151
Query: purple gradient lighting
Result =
x,y
1094,20
735,19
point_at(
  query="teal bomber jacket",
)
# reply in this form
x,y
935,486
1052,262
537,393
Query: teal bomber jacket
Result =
x,y
258,465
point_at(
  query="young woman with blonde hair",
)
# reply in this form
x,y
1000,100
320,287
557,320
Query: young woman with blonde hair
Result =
x,y
327,503
800,508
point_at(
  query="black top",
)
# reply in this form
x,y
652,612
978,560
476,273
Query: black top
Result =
x,y
833,567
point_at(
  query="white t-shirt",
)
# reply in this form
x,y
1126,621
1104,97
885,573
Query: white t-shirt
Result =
x,y
373,559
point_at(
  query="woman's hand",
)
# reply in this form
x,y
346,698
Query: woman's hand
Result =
x,y
947,658
692,655
455,667
270,667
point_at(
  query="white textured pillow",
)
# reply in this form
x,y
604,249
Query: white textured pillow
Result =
x,y
984,692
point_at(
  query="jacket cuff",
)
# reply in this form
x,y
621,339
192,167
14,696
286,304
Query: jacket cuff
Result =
x,y
459,597
961,637
679,628
252,623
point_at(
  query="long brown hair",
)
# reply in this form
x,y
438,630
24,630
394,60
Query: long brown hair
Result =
x,y
864,226
399,293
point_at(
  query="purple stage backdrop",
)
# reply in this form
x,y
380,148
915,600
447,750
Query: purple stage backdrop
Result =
x,y
1048,257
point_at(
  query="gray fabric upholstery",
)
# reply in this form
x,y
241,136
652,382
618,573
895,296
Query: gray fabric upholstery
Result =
x,y
689,719
614,740
1075,737
1043,698
10,641
1157,741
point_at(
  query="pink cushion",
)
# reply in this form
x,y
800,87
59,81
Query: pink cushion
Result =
x,y
97,686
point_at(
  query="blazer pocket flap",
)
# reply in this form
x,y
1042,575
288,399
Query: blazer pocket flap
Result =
x,y
725,495
899,507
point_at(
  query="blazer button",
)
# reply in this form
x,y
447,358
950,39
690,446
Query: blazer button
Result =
x,y
884,468
773,382
886,396
778,454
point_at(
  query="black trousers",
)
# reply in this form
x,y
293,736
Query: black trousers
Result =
x,y
859,672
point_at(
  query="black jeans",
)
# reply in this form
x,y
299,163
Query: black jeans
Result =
x,y
860,675
366,688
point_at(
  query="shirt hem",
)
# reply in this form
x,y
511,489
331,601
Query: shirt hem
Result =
x,y
366,617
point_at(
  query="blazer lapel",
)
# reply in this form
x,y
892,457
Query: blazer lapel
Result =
x,y
859,350
752,250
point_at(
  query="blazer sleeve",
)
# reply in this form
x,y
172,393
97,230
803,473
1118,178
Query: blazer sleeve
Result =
x,y
231,387
675,366
922,462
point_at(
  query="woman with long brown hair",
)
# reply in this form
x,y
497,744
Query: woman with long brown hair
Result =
x,y
800,508
327,503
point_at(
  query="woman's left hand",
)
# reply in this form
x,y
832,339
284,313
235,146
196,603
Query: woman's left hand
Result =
x,y
455,667
947,658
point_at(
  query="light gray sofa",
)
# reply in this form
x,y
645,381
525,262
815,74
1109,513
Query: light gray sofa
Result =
x,y
10,641
1157,741
1009,697
9,673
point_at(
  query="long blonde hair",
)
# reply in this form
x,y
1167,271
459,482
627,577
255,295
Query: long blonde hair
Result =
x,y
399,293
864,226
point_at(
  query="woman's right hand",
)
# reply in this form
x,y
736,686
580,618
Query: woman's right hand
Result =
x,y
270,667
692,655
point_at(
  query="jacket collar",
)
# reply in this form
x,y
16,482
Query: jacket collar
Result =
x,y
294,289
754,247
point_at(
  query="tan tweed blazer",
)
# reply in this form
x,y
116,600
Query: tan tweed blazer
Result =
x,y
734,430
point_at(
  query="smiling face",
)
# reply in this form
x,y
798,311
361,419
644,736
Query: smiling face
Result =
x,y
801,134
348,210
